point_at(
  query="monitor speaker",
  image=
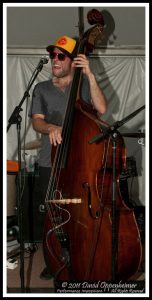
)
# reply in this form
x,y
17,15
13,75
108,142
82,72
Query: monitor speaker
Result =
x,y
33,209
11,194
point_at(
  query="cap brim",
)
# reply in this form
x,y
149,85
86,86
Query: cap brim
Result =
x,y
51,47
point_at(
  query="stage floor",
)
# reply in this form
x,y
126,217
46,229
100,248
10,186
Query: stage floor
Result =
x,y
33,265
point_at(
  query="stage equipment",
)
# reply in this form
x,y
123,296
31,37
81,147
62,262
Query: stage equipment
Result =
x,y
36,144
16,118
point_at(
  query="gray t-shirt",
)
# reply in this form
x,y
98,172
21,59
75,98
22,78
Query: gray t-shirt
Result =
x,y
52,102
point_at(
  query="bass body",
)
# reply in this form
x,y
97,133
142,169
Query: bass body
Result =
x,y
78,232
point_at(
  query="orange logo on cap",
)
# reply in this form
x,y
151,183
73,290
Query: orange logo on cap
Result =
x,y
62,41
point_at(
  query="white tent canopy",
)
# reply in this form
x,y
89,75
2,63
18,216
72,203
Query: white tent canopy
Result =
x,y
118,62
122,78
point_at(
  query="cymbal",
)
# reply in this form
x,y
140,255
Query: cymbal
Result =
x,y
35,144
134,135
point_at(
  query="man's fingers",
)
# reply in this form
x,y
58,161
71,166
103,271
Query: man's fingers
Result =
x,y
55,137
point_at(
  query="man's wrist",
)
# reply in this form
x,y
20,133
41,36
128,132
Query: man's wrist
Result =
x,y
91,76
48,129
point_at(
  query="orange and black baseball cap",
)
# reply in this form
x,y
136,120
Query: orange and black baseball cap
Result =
x,y
65,44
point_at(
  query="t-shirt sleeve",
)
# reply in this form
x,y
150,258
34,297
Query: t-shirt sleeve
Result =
x,y
37,105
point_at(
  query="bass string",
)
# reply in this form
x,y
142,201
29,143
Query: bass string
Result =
x,y
53,210
104,169
56,171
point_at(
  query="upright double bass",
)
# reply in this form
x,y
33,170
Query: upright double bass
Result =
x,y
77,238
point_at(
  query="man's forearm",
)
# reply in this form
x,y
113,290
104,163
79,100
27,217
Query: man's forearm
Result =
x,y
97,96
41,126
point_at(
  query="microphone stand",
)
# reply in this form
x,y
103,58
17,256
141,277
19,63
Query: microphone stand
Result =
x,y
15,118
112,131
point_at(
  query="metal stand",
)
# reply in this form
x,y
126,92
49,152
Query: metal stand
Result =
x,y
112,131
16,119
114,244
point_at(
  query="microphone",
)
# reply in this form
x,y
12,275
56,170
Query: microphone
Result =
x,y
44,60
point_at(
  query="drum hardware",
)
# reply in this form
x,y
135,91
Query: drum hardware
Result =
x,y
30,162
42,208
141,142
140,135
134,135
131,169
35,144
12,233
